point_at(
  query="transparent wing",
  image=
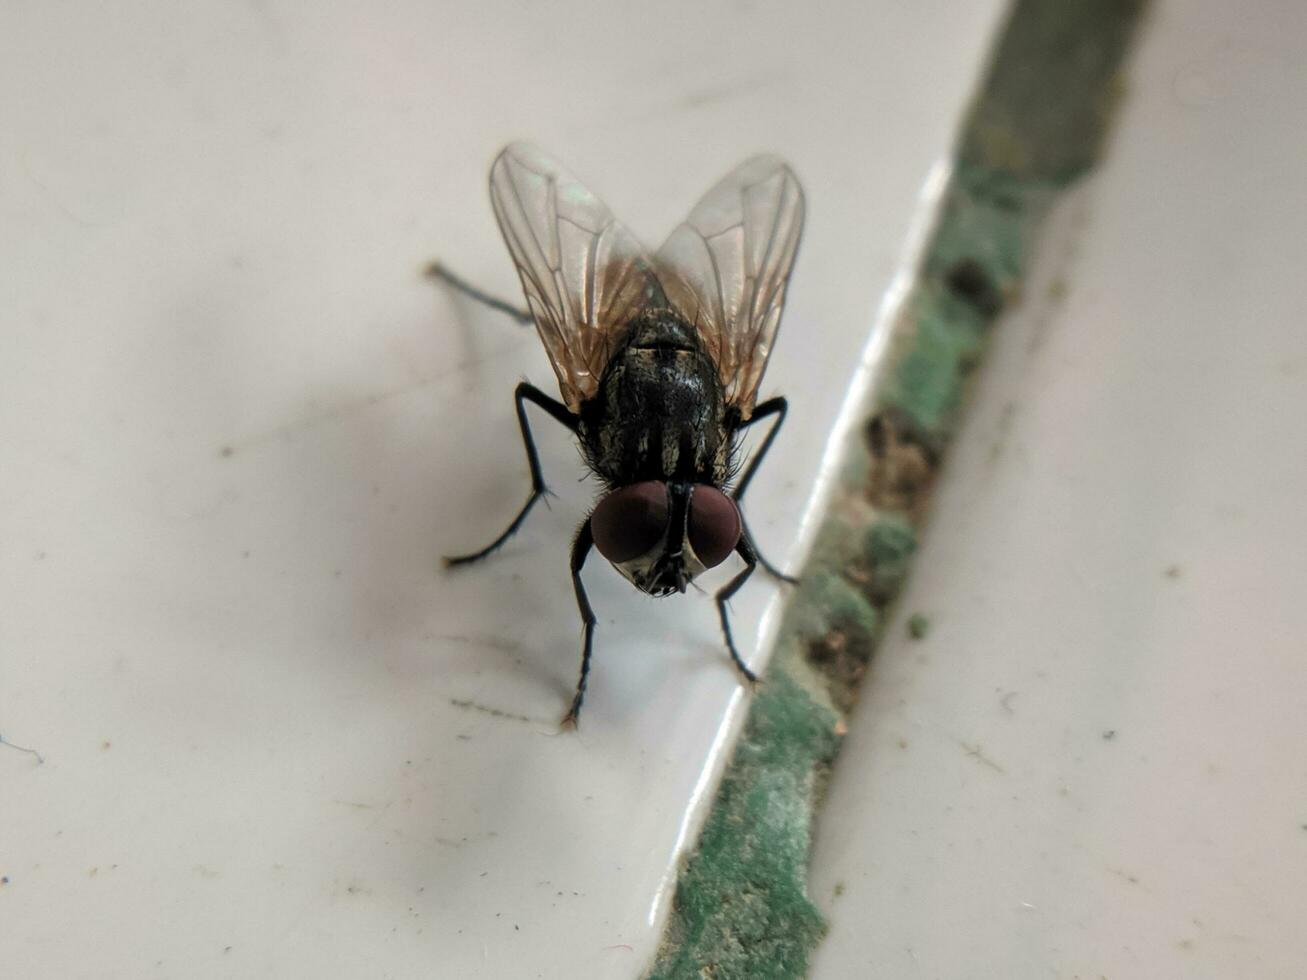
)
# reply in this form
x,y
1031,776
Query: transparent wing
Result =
x,y
583,273
726,268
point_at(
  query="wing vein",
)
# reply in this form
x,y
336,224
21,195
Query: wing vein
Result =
x,y
580,270
732,259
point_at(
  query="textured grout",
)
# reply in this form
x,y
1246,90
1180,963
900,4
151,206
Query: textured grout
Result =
x,y
1038,124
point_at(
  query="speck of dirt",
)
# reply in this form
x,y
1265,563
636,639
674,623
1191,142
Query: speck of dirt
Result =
x,y
4,879
106,745
970,281
487,710
918,626
839,889
842,656
40,759
226,452
977,752
1172,572
1109,735
903,465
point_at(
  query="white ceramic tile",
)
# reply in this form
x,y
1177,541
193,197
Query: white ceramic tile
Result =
x,y
1092,766
237,430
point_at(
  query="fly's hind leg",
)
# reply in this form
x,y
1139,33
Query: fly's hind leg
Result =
x,y
525,393
437,271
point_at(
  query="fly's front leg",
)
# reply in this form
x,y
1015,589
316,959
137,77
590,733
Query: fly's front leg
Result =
x,y
772,406
745,551
525,393
580,549
438,272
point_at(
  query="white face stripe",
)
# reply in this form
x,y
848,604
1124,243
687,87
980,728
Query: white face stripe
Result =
x,y
639,571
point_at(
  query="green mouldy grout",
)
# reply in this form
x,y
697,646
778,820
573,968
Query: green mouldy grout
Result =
x,y
741,910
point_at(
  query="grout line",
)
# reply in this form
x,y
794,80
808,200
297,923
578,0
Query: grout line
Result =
x,y
741,907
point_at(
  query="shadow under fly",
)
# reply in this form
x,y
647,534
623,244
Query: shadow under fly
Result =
x,y
658,358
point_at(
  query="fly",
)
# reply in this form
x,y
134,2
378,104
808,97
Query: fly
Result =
x,y
658,357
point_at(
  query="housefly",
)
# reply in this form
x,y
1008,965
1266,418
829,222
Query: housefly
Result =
x,y
658,359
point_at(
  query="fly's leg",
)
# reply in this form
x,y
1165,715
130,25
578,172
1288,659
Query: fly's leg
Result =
x,y
745,551
438,272
584,539
524,393
767,566
580,549
772,406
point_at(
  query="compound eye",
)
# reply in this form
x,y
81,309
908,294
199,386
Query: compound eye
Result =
x,y
715,526
629,522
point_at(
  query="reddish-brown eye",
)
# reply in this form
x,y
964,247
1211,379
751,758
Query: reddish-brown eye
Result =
x,y
714,525
630,521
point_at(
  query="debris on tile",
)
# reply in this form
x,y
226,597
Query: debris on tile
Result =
x,y
40,759
918,626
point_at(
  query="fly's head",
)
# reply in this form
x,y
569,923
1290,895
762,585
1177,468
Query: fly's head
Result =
x,y
661,536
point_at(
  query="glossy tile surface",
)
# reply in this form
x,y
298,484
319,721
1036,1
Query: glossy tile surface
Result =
x,y
1091,765
238,430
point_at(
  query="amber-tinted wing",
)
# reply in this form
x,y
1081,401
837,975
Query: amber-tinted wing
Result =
x,y
582,272
726,268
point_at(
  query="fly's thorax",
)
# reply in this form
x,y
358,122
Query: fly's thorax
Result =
x,y
660,411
